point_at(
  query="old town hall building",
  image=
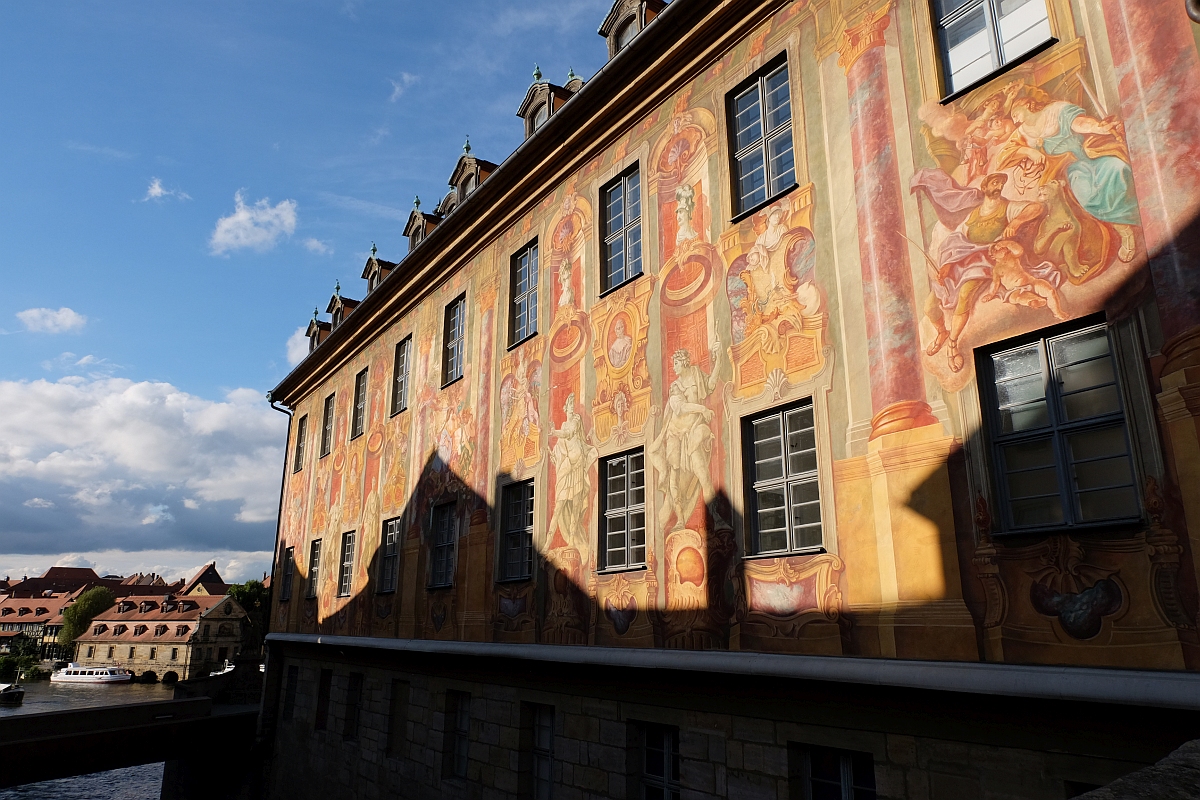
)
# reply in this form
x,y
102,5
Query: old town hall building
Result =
x,y
808,408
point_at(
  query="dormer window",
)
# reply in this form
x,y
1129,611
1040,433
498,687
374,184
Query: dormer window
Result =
x,y
338,316
626,33
99,629
543,99
181,630
119,629
625,21
468,185
159,630
138,630
540,116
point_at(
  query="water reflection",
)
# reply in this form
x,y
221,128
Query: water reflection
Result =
x,y
43,696
132,783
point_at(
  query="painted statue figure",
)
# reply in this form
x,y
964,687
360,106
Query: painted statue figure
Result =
x,y
571,455
680,453
622,345
685,206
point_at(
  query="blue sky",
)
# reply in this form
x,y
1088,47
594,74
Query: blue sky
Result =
x,y
179,185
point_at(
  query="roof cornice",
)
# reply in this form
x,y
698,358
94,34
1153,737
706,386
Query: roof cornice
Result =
x,y
669,53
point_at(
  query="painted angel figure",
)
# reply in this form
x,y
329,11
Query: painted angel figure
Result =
x,y
571,455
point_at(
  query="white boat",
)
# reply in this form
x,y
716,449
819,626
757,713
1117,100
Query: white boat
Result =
x,y
76,673
11,694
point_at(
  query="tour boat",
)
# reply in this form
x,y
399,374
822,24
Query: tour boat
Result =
x,y
75,673
11,694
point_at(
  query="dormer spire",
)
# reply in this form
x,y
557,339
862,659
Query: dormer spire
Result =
x,y
337,288
467,145
373,250
537,74
314,313
417,202
571,74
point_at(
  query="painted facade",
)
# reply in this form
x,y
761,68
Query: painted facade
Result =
x,y
918,232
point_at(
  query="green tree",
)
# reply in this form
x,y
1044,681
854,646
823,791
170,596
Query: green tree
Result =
x,y
79,615
256,600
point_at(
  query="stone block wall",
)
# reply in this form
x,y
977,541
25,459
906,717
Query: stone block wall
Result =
x,y
751,755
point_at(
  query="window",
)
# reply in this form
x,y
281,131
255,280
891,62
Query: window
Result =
x,y
159,630
174,653
346,574
287,569
153,653
390,556
443,545
119,629
112,651
761,117
400,370
1058,433
781,467
457,735
397,733
518,531
181,630
540,116
622,229
623,524
454,336
289,692
539,735
91,651
524,309
324,685
327,426
314,567
354,689
301,436
978,37
823,773
359,416
138,630
626,34
132,650
659,773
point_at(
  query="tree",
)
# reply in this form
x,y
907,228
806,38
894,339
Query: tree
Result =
x,y
79,615
256,600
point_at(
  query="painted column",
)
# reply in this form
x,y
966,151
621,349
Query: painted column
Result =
x,y
897,379
1158,73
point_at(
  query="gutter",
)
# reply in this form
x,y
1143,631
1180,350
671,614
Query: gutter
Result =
x,y
1158,689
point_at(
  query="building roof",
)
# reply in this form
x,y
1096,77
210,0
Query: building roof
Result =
x,y
206,581
57,580
147,610
26,610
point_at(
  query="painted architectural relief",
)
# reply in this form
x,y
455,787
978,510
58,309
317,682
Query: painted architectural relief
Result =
x,y
1035,213
620,331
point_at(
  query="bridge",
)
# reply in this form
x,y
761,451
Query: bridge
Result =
x,y
62,744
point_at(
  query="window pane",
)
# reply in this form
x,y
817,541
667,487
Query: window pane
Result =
x,y
802,443
1100,443
1092,403
1032,483
768,449
635,250
779,105
943,7
1103,474
614,205
637,537
1080,346
1024,418
967,49
1020,390
1037,511
616,541
1108,504
616,483
633,196
772,520
614,266
747,118
1017,363
637,480
1023,24
783,172
1029,455
1086,374
751,179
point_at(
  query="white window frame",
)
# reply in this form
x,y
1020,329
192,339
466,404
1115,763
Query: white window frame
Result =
x,y
523,288
358,418
389,556
330,406
401,368
444,525
991,35
774,185
627,237
454,340
632,463
787,481
346,568
517,515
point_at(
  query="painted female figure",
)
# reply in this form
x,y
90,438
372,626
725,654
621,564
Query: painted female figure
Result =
x,y
570,454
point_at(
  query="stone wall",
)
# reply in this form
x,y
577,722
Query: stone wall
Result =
x,y
722,754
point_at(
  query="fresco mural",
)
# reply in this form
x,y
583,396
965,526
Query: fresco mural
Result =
x,y
1023,214
1036,216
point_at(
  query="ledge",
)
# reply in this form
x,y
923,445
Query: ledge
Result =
x,y
1158,689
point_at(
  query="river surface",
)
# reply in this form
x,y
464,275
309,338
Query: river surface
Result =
x,y
132,783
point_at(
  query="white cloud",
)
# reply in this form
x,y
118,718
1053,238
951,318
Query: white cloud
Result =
x,y
108,443
317,246
157,513
97,150
38,502
190,503
400,85
258,227
47,320
297,346
74,560
157,191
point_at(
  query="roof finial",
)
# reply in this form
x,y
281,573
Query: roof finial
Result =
x,y
337,288
314,313
537,74
373,250
571,74
417,201
467,145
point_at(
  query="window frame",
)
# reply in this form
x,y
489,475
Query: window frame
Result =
x,y
537,751
329,408
516,334
669,783
290,685
786,481
630,175
448,547
346,565
853,773
456,744
354,698
400,377
358,413
758,81
301,442
324,690
525,533
314,569
288,568
626,512
389,556
1054,430
999,64
454,350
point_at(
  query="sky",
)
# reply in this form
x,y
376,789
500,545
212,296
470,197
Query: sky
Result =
x,y
180,185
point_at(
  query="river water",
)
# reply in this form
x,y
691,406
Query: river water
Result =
x,y
132,783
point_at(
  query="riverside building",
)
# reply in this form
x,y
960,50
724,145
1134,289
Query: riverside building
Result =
x,y
806,409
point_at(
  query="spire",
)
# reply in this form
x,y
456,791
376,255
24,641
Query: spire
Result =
x,y
314,313
537,74
337,288
417,202
373,250
467,146
571,76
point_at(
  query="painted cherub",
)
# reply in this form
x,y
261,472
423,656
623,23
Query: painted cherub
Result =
x,y
1012,283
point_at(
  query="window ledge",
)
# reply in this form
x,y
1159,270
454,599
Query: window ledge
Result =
x,y
620,285
355,436
385,591
996,73
438,587
522,579
450,383
520,342
1121,526
620,570
810,551
755,209
397,412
